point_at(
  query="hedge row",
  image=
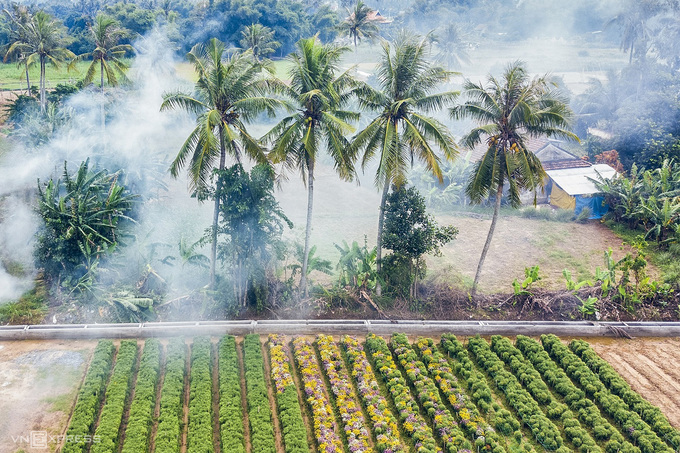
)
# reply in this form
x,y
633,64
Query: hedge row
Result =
x,y
638,431
409,413
144,401
532,380
259,410
200,434
290,414
502,419
231,411
544,431
356,430
89,398
384,422
618,386
169,432
116,395
587,411
325,428
469,417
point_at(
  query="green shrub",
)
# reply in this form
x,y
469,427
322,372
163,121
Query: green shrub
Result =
x,y
200,433
231,412
259,410
168,434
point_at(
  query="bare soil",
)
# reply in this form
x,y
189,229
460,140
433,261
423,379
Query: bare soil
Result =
x,y
652,368
39,381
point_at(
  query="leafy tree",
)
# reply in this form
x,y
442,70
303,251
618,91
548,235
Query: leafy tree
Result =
x,y
251,222
403,132
509,111
230,93
259,40
107,54
411,233
360,23
325,22
132,16
84,216
320,95
42,39
357,265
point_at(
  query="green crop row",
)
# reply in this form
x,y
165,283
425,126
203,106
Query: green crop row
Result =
x,y
200,434
89,398
587,411
631,423
502,419
443,422
470,419
144,402
544,431
409,413
169,432
259,410
290,413
532,380
231,411
116,395
618,386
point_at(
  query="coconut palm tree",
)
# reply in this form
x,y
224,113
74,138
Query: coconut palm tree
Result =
x,y
319,94
41,39
230,93
403,132
509,111
259,40
107,54
360,23
453,48
633,21
22,15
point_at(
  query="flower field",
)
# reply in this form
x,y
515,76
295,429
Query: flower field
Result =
x,y
373,394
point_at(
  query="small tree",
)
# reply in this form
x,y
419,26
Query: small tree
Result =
x,y
250,228
411,233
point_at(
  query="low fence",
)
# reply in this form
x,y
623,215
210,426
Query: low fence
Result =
x,y
337,327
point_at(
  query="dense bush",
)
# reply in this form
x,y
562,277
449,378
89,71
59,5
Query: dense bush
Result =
x,y
200,432
168,434
412,421
143,404
290,413
630,422
89,398
116,394
259,410
587,411
231,411
618,386
545,431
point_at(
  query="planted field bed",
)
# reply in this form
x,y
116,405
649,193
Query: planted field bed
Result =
x,y
374,394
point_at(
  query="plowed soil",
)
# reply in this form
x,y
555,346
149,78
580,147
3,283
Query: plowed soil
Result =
x,y
652,368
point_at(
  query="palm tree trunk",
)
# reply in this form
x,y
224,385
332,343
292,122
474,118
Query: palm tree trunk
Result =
x,y
28,83
101,69
101,107
308,232
496,211
381,223
216,215
43,96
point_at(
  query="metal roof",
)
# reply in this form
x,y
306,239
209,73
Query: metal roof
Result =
x,y
576,181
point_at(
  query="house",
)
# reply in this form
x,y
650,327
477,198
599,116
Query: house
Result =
x,y
569,182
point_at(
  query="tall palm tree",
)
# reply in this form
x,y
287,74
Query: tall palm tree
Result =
x,y
107,54
230,93
41,39
453,48
259,40
319,95
360,23
509,112
403,132
634,20
19,14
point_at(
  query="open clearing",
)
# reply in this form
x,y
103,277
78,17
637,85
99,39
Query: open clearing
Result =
x,y
40,381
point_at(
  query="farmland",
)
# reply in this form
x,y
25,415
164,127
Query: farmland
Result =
x,y
354,394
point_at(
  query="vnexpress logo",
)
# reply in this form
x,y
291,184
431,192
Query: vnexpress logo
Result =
x,y
38,439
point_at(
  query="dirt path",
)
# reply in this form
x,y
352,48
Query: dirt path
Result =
x,y
185,401
244,400
157,408
217,441
652,368
131,395
39,381
306,416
